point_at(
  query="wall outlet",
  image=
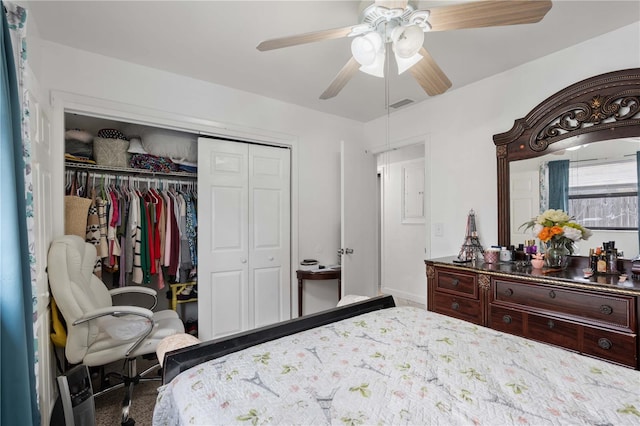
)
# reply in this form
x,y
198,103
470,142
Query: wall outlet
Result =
x,y
438,229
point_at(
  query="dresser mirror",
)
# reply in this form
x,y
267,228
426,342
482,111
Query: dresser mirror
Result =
x,y
603,192
594,121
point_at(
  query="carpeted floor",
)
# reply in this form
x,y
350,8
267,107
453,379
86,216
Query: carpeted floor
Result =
x,y
109,406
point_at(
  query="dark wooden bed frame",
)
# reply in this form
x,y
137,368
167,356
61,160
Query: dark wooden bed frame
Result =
x,y
175,362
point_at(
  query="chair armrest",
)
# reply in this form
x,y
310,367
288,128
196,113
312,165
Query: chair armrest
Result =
x,y
115,311
136,289
133,289
121,311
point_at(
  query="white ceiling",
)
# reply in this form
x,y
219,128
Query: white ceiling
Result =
x,y
215,41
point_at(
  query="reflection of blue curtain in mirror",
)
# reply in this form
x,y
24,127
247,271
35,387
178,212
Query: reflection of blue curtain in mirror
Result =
x,y
559,185
638,171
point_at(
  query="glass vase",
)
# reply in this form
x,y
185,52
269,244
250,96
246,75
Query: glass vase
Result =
x,y
557,255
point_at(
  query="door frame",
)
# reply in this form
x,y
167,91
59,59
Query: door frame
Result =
x,y
425,140
66,102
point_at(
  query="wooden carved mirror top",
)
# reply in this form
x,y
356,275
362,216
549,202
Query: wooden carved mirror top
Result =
x,y
597,109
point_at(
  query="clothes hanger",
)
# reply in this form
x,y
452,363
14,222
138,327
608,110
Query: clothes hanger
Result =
x,y
103,193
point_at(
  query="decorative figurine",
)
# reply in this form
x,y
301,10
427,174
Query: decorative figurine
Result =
x,y
471,248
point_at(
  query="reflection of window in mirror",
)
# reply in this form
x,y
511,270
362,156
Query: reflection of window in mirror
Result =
x,y
603,193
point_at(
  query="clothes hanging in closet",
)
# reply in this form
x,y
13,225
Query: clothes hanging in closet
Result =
x,y
141,226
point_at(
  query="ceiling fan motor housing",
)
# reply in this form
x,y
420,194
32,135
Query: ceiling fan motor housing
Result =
x,y
384,20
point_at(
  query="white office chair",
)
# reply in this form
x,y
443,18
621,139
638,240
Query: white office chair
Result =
x,y
98,332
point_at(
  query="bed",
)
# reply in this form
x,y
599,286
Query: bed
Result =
x,y
374,363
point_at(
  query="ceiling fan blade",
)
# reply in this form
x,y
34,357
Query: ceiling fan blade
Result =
x,y
343,77
487,14
392,4
277,43
429,75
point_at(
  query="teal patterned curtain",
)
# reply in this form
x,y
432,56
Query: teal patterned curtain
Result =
x,y
559,185
18,396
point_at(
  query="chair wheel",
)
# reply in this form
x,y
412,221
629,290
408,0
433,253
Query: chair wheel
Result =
x,y
129,422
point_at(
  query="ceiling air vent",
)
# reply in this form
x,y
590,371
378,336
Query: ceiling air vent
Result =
x,y
401,103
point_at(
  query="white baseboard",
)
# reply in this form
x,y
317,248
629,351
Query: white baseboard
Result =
x,y
404,295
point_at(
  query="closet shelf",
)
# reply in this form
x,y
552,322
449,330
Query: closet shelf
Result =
x,y
127,170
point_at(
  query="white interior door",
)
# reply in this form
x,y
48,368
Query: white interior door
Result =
x,y
243,236
525,196
223,253
269,235
358,228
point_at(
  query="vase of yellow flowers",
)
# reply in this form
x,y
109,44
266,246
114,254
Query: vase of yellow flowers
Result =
x,y
558,232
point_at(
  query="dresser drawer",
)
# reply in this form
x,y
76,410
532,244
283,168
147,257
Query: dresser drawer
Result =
x,y
536,327
507,320
455,282
617,311
616,347
553,331
459,307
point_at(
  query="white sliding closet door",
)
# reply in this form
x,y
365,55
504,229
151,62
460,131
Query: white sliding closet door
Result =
x,y
243,236
269,235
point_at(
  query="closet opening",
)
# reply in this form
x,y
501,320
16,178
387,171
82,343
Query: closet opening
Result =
x,y
138,185
112,165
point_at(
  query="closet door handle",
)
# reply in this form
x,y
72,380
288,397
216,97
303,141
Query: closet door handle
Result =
x,y
243,260
271,258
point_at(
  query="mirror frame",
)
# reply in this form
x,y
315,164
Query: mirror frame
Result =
x,y
585,112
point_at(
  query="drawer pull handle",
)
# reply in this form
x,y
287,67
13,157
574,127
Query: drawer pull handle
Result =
x,y
508,292
604,343
455,282
455,306
552,294
606,309
507,319
551,324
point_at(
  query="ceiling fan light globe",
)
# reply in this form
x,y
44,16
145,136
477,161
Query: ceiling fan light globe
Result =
x,y
407,40
365,48
376,69
406,63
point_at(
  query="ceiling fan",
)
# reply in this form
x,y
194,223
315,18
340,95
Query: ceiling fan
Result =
x,y
402,26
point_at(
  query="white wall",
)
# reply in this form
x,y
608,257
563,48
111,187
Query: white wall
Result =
x,y
460,124
316,135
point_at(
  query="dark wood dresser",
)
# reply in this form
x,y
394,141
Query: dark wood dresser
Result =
x,y
596,316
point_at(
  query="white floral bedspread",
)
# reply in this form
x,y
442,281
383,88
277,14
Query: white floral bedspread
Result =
x,y
402,366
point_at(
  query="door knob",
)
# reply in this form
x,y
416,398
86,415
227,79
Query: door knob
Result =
x,y
243,260
348,251
271,258
340,252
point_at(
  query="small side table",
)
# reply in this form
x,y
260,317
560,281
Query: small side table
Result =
x,y
323,274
